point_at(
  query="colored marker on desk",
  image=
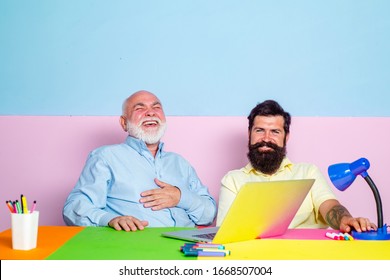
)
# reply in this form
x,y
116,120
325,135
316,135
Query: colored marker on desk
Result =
x,y
332,235
204,250
202,245
210,245
339,236
227,252
206,245
199,253
347,235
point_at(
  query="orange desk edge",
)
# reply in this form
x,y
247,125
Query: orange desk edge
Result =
x,y
50,238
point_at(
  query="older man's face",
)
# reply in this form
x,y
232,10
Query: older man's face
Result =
x,y
145,118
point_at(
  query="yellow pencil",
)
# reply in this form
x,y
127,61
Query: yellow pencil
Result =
x,y
24,205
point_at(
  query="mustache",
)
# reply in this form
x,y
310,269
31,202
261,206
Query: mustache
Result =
x,y
263,144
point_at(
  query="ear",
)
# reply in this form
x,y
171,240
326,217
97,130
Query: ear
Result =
x,y
122,121
287,137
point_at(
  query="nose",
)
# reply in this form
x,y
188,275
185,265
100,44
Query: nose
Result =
x,y
266,136
150,112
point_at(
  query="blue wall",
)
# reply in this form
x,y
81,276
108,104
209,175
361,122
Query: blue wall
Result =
x,y
215,58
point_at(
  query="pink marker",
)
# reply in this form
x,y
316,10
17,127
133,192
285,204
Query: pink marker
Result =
x,y
33,207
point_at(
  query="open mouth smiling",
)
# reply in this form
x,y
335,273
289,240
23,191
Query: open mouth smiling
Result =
x,y
150,123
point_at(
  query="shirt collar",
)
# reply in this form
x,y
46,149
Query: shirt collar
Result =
x,y
286,164
141,147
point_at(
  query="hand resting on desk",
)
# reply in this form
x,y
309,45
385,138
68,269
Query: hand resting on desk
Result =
x,y
359,224
127,223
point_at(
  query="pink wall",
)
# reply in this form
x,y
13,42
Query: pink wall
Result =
x,y
41,157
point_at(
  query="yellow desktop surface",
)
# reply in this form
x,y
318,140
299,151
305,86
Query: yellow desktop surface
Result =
x,y
282,249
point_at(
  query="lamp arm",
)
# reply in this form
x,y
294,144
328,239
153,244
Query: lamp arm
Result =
x,y
378,200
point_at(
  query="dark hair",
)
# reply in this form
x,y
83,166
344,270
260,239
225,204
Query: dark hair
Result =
x,y
270,108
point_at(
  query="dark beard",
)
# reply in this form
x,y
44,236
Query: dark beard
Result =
x,y
266,162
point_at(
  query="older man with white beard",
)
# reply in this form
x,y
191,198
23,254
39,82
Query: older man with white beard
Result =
x,y
136,184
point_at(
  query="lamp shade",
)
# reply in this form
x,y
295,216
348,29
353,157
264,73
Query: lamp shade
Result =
x,y
342,175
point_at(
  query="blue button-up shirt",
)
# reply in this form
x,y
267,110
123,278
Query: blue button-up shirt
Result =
x,y
114,176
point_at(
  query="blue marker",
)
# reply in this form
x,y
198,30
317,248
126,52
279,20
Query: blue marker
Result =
x,y
198,253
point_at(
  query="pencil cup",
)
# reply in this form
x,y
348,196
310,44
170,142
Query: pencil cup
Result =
x,y
24,230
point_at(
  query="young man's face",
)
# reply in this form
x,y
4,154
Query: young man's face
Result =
x,y
266,145
268,129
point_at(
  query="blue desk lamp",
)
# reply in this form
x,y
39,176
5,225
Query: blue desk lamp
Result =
x,y
342,176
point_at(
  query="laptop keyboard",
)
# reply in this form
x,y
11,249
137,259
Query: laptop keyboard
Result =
x,y
206,235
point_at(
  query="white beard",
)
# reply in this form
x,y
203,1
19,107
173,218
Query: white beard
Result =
x,y
149,137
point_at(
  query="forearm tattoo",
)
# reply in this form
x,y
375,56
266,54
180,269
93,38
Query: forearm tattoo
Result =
x,y
334,215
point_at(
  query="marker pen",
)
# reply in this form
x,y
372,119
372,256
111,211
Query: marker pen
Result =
x,y
10,207
332,235
24,204
227,252
349,236
209,245
33,207
18,207
204,253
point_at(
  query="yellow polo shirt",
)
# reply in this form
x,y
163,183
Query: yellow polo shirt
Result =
x,y
307,215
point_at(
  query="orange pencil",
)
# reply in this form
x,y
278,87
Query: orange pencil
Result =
x,y
11,209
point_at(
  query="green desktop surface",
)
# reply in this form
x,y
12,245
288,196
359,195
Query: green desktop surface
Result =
x,y
105,243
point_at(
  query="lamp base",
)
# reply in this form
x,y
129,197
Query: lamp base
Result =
x,y
380,234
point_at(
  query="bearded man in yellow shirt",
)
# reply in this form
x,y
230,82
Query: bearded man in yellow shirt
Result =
x,y
269,128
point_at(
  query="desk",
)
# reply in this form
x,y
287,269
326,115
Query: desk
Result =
x,y
104,243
